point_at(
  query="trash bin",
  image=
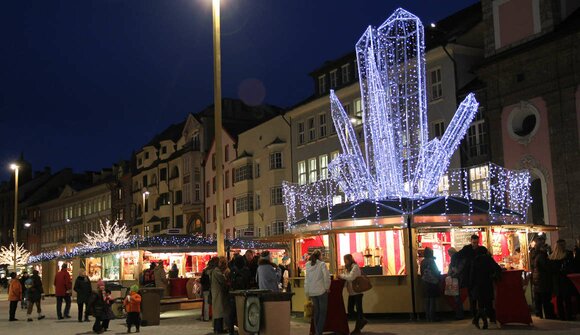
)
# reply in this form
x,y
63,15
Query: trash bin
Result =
x,y
263,310
150,305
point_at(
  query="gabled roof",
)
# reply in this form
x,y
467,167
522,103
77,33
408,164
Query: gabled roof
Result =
x,y
171,133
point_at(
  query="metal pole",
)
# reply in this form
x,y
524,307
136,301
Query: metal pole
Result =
x,y
217,86
15,234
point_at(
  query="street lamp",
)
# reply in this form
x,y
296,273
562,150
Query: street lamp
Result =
x,y
15,233
218,124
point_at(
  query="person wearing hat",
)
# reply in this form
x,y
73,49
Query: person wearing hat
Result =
x,y
132,305
269,274
62,288
14,295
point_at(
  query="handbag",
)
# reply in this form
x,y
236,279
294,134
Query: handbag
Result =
x,y
361,284
451,286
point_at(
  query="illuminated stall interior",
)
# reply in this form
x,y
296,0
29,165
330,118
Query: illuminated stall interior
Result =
x,y
189,264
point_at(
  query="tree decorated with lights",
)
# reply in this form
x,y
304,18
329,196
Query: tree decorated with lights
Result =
x,y
7,255
108,234
397,160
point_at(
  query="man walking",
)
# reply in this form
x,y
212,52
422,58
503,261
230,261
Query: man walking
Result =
x,y
14,295
62,287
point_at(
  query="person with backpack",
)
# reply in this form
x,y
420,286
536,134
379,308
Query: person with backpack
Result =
x,y
430,276
83,289
483,270
35,292
239,279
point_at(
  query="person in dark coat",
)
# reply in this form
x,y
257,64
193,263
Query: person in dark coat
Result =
x,y
62,288
430,276
83,289
23,277
466,255
542,280
483,270
97,307
239,279
35,292
455,268
561,262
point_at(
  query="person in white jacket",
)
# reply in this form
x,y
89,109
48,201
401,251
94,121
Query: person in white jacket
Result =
x,y
352,271
316,287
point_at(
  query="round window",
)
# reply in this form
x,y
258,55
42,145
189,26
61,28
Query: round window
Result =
x,y
523,122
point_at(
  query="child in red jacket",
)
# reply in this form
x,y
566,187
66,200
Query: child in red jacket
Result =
x,y
132,305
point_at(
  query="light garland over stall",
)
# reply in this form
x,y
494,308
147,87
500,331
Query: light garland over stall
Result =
x,y
398,162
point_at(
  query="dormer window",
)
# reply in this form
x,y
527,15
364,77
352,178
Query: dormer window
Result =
x,y
322,84
164,149
345,73
146,155
333,79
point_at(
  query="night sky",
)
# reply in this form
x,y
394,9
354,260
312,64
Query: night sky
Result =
x,y
84,83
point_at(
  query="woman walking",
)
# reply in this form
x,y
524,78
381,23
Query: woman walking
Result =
x,y
483,270
83,289
561,262
355,299
219,294
316,287
430,276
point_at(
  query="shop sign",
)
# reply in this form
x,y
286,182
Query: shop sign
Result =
x,y
173,231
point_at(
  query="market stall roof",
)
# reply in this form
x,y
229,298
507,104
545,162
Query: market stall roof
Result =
x,y
448,209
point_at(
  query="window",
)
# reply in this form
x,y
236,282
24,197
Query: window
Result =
x,y
179,221
333,79
145,181
276,196
174,172
345,73
477,136
178,197
195,142
245,203
257,170
302,177
227,209
208,215
301,133
277,228
312,170
207,189
479,182
197,191
227,153
258,201
163,174
146,155
146,231
333,155
311,129
163,200
227,179
196,174
213,161
358,112
355,69
443,188
164,149
322,84
139,161
146,205
243,173
164,223
436,85
323,163
439,128
213,185
275,160
347,109
322,124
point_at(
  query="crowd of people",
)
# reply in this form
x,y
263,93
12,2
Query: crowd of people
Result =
x,y
475,270
249,271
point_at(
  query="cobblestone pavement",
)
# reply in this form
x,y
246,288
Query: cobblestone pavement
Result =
x,y
185,322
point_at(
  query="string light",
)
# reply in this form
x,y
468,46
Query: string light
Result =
x,y
107,233
400,162
7,255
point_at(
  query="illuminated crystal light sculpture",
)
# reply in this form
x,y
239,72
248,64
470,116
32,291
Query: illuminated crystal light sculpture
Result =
x,y
399,160
7,255
108,233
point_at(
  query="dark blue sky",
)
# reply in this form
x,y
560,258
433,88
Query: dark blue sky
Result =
x,y
83,83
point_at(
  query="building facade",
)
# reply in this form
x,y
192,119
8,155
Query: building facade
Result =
x,y
531,79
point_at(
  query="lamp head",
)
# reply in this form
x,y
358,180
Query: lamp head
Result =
x,y
13,166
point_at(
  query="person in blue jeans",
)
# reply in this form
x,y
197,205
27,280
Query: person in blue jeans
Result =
x,y
317,287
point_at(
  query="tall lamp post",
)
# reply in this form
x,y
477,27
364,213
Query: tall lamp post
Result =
x,y
217,100
15,233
